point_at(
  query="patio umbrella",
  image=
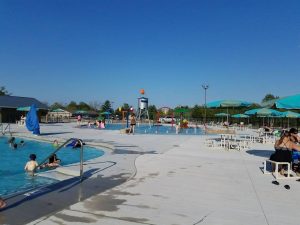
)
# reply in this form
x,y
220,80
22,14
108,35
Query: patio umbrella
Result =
x,y
32,121
25,108
80,112
290,114
57,110
106,114
263,112
181,111
221,115
240,116
100,118
290,102
227,104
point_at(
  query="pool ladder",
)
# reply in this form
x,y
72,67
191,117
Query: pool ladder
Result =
x,y
60,147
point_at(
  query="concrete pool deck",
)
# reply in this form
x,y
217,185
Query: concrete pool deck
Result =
x,y
161,180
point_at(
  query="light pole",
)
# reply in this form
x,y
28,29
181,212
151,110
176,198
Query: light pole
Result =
x,y
205,87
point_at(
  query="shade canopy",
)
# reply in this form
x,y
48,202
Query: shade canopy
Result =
x,y
228,103
105,113
25,108
221,114
240,116
100,118
290,102
263,112
290,114
80,112
58,110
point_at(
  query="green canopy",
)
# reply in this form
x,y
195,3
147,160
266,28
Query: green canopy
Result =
x,y
100,118
263,112
290,102
57,110
25,108
240,116
221,114
290,114
228,103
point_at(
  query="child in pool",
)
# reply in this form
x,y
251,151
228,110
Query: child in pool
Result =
x,y
31,165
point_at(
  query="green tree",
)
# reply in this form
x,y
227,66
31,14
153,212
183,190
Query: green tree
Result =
x,y
72,106
152,111
269,97
57,105
106,107
3,91
83,106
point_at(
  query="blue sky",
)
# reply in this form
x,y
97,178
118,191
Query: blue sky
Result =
x,y
94,50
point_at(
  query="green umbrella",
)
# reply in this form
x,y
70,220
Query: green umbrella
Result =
x,y
25,108
100,118
263,112
58,110
290,102
227,104
290,114
240,116
221,114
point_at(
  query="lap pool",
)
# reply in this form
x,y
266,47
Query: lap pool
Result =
x,y
13,177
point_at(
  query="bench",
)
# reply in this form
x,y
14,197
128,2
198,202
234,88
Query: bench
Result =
x,y
277,176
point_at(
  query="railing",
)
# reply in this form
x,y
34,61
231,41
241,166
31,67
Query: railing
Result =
x,y
3,130
60,147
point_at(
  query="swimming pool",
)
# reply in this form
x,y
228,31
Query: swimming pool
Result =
x,y
161,129
13,177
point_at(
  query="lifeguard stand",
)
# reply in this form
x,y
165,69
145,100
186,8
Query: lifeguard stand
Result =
x,y
143,112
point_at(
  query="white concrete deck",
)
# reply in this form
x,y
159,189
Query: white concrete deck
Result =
x,y
185,183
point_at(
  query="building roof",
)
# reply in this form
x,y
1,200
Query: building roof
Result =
x,y
12,102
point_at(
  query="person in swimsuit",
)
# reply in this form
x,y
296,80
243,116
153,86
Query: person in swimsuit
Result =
x,y
31,165
132,123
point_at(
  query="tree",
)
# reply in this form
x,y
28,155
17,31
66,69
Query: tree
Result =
x,y
269,97
152,111
57,105
95,105
106,107
3,91
72,106
83,106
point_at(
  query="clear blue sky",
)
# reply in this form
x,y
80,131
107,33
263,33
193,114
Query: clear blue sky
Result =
x,y
93,50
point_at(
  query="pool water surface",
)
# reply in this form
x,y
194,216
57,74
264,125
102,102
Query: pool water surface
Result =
x,y
13,177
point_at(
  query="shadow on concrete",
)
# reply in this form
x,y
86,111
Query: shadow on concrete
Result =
x,y
47,200
54,133
261,153
132,152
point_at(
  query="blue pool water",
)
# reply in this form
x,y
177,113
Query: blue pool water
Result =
x,y
12,174
162,129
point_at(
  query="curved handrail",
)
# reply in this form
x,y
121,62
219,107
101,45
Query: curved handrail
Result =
x,y
60,147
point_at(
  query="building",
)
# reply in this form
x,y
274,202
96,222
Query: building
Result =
x,y
9,105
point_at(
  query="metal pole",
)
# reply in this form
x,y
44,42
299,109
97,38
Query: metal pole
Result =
x,y
81,160
205,87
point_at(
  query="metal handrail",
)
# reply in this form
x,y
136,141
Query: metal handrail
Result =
x,y
60,147
4,129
